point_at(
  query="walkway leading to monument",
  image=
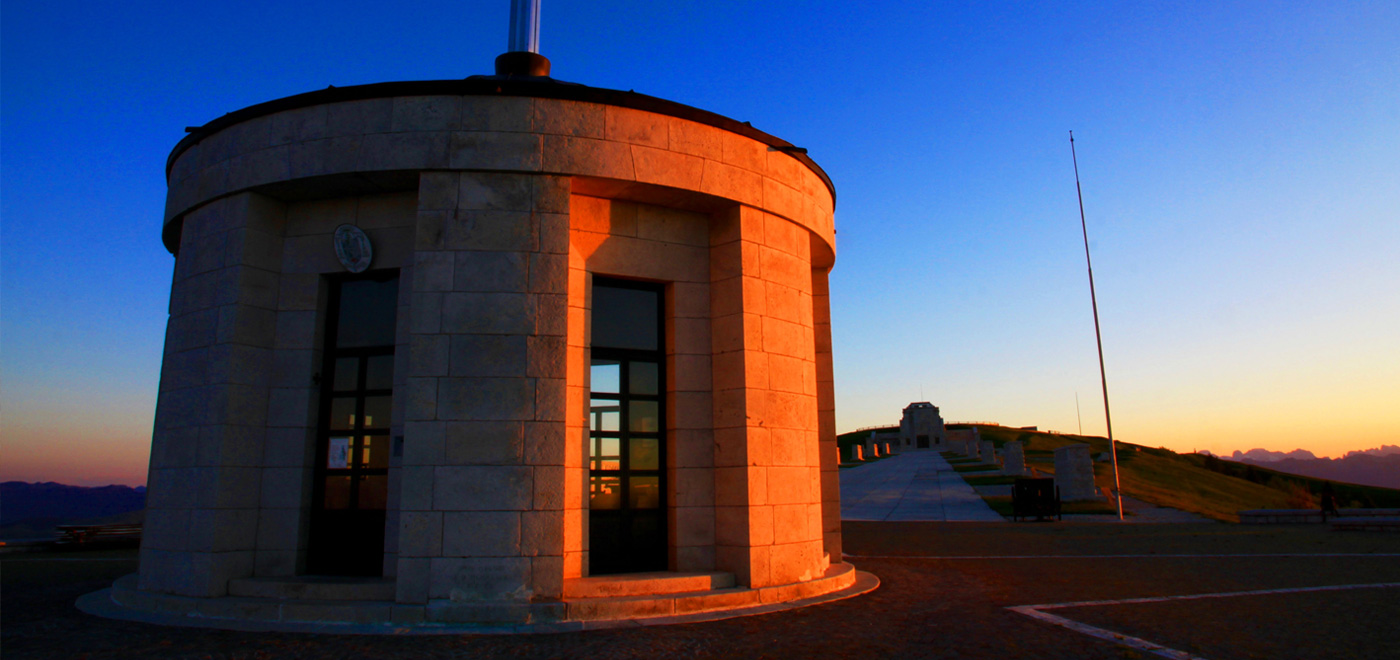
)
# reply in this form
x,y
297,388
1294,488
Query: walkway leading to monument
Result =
x,y
916,485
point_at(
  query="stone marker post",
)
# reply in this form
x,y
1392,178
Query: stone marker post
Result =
x,y
856,454
1074,473
970,448
1013,459
989,452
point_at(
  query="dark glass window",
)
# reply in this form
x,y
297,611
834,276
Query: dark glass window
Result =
x,y
626,317
626,454
352,456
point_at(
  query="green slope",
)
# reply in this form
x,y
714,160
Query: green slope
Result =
x,y
1197,483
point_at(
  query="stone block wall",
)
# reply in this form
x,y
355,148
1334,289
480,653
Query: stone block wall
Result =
x,y
497,211
826,412
768,517
207,445
628,239
236,421
483,496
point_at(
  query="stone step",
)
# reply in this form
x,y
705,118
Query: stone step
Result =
x,y
645,584
382,615
314,587
1367,524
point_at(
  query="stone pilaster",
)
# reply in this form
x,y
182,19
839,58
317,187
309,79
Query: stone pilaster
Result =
x,y
483,496
768,514
207,449
826,415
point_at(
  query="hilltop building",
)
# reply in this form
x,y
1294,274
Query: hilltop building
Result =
x,y
493,350
921,427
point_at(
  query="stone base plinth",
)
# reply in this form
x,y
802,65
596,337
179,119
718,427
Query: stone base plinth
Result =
x,y
602,603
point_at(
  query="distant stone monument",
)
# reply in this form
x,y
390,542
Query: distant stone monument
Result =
x,y
972,450
989,452
1013,459
856,454
874,450
962,439
1074,473
921,427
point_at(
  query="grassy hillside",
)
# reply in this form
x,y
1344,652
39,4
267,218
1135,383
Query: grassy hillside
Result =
x,y
1191,482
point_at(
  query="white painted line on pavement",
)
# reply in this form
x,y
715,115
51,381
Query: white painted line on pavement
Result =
x,y
1154,556
8,560
1105,634
1038,612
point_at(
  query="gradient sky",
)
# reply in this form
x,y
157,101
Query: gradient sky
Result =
x,y
1240,164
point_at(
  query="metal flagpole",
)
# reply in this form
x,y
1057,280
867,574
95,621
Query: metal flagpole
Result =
x,y
1076,413
1103,376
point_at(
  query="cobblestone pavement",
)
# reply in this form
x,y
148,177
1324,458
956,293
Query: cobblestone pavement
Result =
x,y
944,593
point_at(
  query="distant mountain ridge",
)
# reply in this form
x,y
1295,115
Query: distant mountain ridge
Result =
x,y
1383,450
35,508
1266,456
1370,467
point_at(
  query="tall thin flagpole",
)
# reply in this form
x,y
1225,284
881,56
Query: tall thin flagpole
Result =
x,y
1103,375
1076,414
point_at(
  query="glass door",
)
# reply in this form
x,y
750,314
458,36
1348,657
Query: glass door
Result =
x,y
357,402
627,478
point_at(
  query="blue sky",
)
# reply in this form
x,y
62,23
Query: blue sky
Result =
x,y
1240,163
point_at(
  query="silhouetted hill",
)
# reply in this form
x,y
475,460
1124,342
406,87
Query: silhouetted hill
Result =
x,y
27,509
1356,468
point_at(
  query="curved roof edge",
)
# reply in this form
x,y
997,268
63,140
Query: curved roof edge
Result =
x,y
496,86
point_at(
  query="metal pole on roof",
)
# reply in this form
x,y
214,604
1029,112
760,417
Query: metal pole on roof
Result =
x,y
524,26
1103,376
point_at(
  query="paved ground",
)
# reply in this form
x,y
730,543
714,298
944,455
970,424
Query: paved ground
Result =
x,y
946,592
916,485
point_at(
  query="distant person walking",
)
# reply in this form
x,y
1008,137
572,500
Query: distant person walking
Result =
x,y
1328,501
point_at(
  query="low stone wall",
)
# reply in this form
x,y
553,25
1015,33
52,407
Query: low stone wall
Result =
x,y
1300,516
1367,524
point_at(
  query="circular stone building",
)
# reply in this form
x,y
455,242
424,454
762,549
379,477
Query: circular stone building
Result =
x,y
501,350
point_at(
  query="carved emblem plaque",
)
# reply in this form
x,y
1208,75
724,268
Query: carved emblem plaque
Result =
x,y
353,248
